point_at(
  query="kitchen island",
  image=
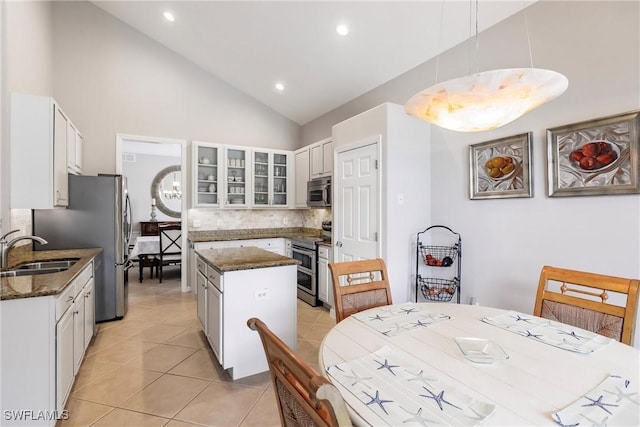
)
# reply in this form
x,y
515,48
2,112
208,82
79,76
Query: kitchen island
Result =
x,y
236,284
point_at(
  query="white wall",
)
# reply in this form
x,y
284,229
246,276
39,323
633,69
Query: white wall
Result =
x,y
506,242
140,175
112,79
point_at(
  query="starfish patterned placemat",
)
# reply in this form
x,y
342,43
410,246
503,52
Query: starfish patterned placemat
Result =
x,y
550,332
613,402
395,319
401,394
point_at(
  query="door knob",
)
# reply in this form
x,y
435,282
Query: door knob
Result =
x,y
339,244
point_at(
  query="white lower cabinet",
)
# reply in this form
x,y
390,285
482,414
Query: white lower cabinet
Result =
x,y
325,284
43,343
65,370
201,300
214,320
275,245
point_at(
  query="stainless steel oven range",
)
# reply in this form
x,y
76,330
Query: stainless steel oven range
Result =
x,y
304,250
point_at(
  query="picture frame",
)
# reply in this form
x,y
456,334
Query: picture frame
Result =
x,y
501,168
594,157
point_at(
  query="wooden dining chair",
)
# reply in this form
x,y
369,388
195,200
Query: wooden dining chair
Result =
x,y
304,398
580,299
359,285
170,247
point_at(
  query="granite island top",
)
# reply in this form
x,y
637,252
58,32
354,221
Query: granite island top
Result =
x,y
255,233
43,284
249,258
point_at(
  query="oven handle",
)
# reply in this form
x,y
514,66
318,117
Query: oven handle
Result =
x,y
306,270
325,194
304,251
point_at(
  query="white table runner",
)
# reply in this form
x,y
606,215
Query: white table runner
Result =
x,y
403,394
396,319
547,331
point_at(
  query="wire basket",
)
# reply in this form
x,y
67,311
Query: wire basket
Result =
x,y
438,253
441,290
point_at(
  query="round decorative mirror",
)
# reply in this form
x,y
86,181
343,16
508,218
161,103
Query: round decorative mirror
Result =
x,y
166,188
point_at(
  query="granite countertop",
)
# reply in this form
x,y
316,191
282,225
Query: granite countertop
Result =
x,y
249,258
256,233
43,284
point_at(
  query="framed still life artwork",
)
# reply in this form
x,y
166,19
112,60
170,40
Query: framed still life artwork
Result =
x,y
595,157
501,168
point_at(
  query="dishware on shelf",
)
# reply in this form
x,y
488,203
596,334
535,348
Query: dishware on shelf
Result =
x,y
205,160
480,350
212,188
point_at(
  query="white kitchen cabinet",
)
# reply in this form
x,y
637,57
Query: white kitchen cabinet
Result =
x,y
302,174
207,174
74,150
41,355
201,297
89,311
39,131
236,177
271,178
325,284
214,317
78,331
65,369
275,245
321,158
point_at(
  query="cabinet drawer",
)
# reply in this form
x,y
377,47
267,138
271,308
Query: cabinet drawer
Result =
x,y
323,252
215,278
202,266
65,299
85,275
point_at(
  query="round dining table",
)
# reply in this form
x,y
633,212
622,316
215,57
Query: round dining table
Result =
x,y
528,382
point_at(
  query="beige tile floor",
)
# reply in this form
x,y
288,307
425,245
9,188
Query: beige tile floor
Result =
x,y
155,367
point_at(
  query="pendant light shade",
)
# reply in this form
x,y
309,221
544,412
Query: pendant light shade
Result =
x,y
486,100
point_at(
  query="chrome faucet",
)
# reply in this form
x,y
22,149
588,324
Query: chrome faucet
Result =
x,y
6,245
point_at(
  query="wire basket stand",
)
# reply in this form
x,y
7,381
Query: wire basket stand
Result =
x,y
430,257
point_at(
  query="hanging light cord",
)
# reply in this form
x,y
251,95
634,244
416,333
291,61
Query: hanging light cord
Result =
x,y
526,26
439,40
477,42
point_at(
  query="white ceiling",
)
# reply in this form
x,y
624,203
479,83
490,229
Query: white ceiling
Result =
x,y
252,44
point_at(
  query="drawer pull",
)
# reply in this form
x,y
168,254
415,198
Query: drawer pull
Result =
x,y
69,298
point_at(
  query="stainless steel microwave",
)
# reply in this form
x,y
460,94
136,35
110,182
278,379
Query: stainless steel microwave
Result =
x,y
319,193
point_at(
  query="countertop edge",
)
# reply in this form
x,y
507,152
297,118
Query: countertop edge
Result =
x,y
248,258
49,284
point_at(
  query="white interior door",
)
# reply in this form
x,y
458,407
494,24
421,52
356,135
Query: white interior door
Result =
x,y
357,205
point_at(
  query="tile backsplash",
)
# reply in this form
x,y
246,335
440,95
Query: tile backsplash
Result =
x,y
21,220
228,219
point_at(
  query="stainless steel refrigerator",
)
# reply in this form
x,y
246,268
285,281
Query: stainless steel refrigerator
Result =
x,y
98,215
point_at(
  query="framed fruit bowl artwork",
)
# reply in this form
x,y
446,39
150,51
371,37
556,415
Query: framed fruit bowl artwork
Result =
x,y
595,157
501,168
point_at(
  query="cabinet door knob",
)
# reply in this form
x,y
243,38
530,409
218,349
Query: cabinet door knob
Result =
x,y
69,298
339,244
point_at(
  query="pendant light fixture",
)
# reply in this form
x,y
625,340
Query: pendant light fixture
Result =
x,y
486,100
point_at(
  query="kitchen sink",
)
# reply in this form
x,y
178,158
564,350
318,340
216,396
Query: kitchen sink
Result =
x,y
40,267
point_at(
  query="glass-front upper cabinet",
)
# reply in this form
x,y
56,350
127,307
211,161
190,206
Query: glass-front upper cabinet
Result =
x,y
207,171
237,161
271,175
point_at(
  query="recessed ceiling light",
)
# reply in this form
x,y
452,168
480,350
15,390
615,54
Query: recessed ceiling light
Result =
x,y
169,16
279,87
342,30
